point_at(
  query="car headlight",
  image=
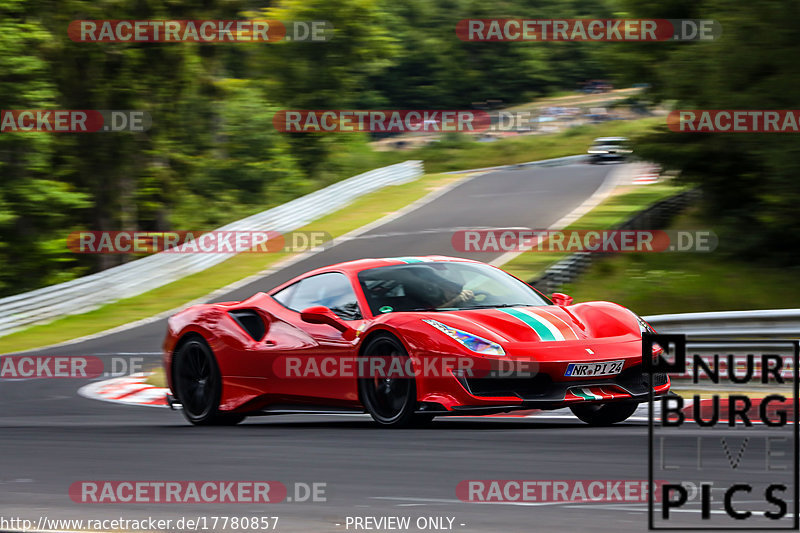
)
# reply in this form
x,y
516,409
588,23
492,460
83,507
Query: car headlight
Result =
x,y
644,326
468,340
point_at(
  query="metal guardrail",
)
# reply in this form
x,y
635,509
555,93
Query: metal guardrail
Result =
x,y
743,325
655,216
731,336
90,292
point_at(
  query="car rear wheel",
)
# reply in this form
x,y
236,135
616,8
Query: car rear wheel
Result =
x,y
604,414
391,401
198,385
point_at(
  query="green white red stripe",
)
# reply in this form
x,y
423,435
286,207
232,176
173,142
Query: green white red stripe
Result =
x,y
546,325
585,393
593,393
564,327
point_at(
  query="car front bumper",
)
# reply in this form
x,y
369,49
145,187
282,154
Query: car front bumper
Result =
x,y
538,380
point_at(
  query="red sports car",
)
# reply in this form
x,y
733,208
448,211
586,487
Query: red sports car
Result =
x,y
406,339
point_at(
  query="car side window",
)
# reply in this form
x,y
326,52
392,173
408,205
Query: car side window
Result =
x,y
284,296
332,289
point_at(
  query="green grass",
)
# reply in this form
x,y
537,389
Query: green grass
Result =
x,y
657,283
626,201
157,378
439,157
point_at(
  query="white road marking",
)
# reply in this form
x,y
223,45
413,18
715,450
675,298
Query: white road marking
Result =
x,y
614,178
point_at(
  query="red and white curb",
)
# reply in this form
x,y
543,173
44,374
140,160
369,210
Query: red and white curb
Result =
x,y
129,390
133,390
647,176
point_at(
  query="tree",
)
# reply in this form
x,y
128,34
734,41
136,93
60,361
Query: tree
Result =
x,y
749,180
35,206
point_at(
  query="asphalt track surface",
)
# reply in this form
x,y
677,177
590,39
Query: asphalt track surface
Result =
x,y
52,438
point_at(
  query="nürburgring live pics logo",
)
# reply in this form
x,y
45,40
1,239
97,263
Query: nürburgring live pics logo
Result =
x,y
727,458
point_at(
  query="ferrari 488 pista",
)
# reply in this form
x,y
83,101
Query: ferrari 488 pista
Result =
x,y
407,339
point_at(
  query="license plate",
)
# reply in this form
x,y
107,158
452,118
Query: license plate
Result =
x,y
601,368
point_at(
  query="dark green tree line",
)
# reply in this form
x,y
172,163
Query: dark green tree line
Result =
x,y
212,154
750,180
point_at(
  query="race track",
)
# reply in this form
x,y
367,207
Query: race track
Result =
x,y
51,437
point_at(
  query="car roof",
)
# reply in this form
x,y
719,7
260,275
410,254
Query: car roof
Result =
x,y
356,266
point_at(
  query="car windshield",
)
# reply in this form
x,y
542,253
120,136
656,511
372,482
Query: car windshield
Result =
x,y
610,142
443,286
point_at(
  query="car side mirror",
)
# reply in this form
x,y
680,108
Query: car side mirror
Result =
x,y
559,298
319,314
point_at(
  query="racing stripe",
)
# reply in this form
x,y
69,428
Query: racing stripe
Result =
x,y
565,329
592,395
581,393
534,322
554,331
614,394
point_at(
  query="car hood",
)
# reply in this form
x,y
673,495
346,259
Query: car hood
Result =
x,y
551,323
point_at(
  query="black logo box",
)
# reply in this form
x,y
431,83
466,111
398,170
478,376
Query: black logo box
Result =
x,y
675,345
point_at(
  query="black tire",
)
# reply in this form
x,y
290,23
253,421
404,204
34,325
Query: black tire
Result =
x,y
604,414
197,385
392,402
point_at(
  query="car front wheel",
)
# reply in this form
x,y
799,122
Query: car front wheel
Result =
x,y
391,401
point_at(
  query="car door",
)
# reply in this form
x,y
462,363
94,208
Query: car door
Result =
x,y
325,368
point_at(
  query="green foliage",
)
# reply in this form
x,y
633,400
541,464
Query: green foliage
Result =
x,y
657,283
212,154
749,180
35,206
249,168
